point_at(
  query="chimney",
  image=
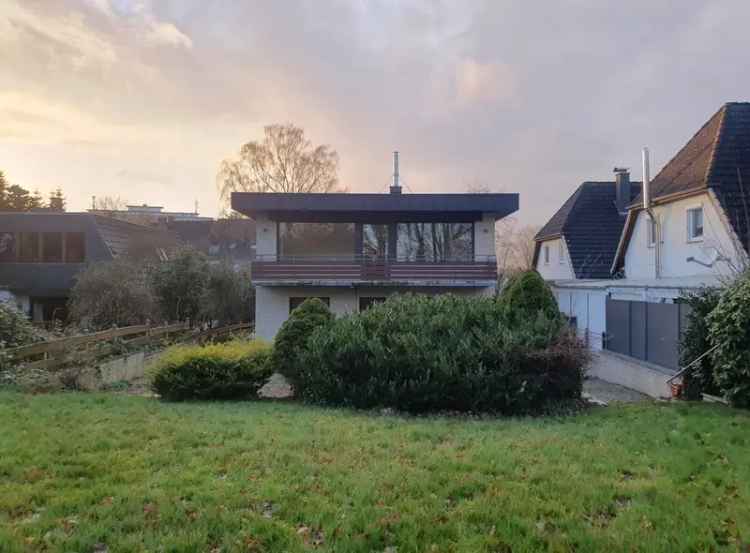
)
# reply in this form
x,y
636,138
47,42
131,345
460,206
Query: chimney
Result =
x,y
622,189
646,179
395,187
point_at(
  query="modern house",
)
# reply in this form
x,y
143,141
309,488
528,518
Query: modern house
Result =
x,y
41,253
352,250
685,229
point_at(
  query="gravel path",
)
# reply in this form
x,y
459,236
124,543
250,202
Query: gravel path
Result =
x,y
608,392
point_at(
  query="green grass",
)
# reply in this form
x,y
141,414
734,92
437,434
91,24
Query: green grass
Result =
x,y
136,474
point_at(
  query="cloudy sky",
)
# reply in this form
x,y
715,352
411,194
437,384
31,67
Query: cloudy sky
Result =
x,y
143,99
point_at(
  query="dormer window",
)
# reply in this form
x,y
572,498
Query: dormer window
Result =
x,y
695,224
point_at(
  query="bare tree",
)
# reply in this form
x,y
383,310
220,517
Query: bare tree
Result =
x,y
284,161
109,203
514,245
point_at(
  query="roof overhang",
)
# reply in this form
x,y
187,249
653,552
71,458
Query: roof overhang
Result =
x,y
374,207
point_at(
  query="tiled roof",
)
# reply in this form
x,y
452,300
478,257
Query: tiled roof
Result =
x,y
716,157
590,224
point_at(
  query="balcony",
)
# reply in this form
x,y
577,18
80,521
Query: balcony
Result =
x,y
293,270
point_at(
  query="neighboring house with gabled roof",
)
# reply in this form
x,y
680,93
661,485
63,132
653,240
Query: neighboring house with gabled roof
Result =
x,y
581,238
700,200
693,233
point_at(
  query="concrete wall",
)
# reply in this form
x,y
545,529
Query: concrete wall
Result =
x,y
559,266
588,306
484,238
631,373
265,239
272,302
676,248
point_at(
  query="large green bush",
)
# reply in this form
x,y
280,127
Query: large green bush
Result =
x,y
526,295
729,329
695,342
179,284
291,340
420,353
233,370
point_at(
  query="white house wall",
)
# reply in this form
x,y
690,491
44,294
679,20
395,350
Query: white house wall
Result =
x,y
589,309
484,238
272,302
265,239
559,267
676,248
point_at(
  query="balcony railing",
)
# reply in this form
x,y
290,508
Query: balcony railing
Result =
x,y
363,268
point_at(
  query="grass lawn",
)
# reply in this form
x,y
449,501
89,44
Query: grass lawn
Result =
x,y
135,474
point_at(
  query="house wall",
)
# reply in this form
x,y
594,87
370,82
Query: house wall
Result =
x,y
559,267
272,302
265,239
675,247
588,306
484,238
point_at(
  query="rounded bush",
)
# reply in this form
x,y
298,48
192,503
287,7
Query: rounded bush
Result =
x,y
291,340
442,353
729,328
15,327
527,295
233,370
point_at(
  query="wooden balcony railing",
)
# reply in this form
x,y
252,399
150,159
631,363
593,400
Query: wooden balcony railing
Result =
x,y
318,268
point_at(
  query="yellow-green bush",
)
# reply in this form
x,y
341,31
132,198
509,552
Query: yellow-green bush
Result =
x,y
233,370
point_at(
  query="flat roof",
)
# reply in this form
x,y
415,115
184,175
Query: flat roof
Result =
x,y
373,207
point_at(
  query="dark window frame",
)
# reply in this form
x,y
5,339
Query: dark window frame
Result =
x,y
299,300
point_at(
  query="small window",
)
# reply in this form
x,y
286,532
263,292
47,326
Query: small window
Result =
x,y
29,248
561,252
367,302
294,303
695,223
546,255
52,247
75,247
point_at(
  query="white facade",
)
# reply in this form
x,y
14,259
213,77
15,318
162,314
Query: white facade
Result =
x,y
554,260
484,238
585,306
272,302
715,248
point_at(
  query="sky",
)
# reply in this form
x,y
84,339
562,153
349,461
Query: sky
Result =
x,y
143,99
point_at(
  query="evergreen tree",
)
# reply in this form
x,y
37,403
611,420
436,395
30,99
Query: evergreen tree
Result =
x,y
18,198
56,200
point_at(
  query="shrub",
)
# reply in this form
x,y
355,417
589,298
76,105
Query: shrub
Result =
x,y
526,295
419,353
232,370
112,293
695,342
15,328
179,284
729,329
227,296
291,340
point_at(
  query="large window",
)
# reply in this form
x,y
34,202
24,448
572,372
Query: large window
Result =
x,y
375,240
316,239
435,242
695,223
42,247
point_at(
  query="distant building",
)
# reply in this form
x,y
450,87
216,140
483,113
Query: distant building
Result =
x,y
41,254
149,215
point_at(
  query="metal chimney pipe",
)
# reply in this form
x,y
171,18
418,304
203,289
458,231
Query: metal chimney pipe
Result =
x,y
646,180
396,186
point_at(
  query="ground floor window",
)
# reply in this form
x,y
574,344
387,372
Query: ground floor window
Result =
x,y
295,302
368,301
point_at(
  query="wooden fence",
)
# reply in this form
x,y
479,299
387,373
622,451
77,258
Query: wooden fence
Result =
x,y
89,347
